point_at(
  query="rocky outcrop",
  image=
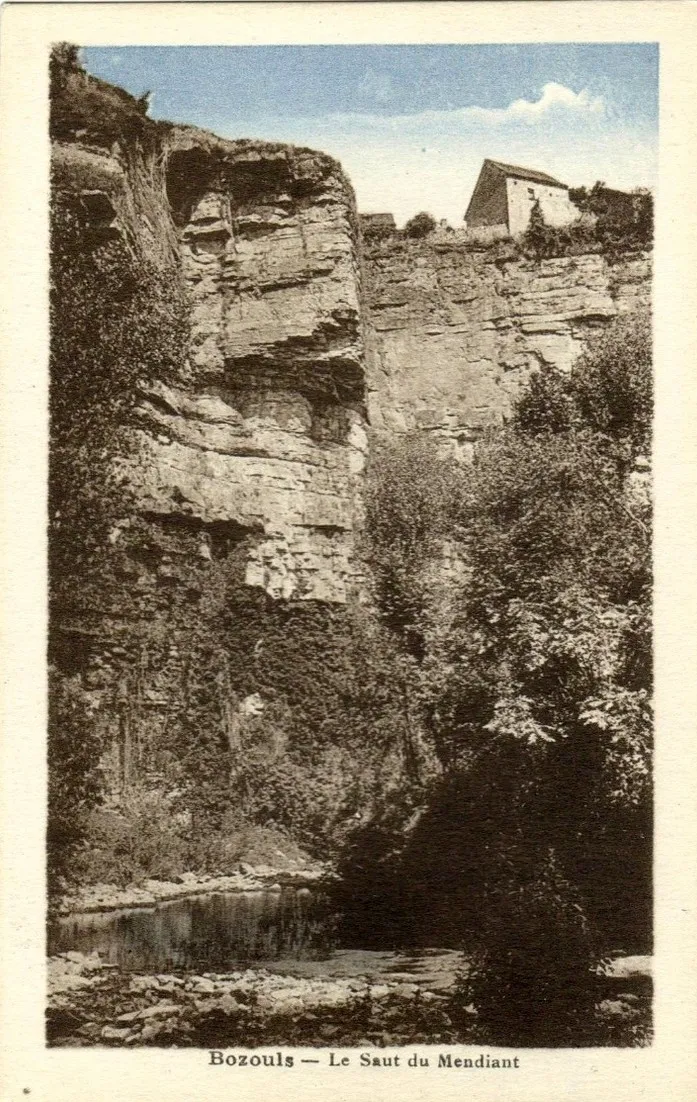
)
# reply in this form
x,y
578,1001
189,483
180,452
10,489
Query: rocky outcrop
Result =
x,y
265,432
268,432
456,331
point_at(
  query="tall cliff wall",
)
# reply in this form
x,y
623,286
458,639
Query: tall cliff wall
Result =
x,y
264,432
302,338
454,331
242,456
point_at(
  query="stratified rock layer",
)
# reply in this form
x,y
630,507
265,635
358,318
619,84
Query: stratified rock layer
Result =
x,y
269,431
454,332
266,432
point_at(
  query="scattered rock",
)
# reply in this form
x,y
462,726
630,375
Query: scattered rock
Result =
x,y
406,990
160,1010
201,984
112,1033
379,991
247,877
626,967
154,1031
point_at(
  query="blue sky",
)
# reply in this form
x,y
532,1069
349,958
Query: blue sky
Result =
x,y
412,124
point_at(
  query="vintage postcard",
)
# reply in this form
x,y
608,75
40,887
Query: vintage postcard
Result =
x,y
349,460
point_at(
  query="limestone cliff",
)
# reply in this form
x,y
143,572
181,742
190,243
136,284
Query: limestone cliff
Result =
x,y
454,330
264,433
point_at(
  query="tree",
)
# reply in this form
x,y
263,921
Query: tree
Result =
x,y
63,61
609,390
421,225
623,220
410,499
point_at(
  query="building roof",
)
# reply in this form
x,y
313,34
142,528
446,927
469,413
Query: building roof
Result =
x,y
526,173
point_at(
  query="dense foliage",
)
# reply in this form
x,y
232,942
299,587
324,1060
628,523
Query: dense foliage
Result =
x,y
330,734
411,505
116,322
85,107
623,220
613,223
74,782
533,678
373,232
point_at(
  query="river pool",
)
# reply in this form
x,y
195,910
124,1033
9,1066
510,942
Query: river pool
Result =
x,y
205,933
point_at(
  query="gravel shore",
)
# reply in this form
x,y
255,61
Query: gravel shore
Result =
x,y
247,878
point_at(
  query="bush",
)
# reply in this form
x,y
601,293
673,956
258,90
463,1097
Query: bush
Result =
x,y
377,231
532,978
623,220
147,839
609,390
420,225
74,783
613,223
84,106
412,496
542,241
143,839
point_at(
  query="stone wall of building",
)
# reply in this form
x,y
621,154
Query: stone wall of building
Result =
x,y
557,209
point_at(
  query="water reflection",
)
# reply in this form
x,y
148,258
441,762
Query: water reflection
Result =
x,y
205,933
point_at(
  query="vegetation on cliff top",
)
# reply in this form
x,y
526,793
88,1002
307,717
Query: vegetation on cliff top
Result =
x,y
612,227
86,108
612,224
420,225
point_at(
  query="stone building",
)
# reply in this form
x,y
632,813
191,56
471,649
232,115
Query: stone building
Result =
x,y
377,224
504,196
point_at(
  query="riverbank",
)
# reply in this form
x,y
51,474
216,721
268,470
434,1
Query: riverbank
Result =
x,y
92,898
366,998
354,999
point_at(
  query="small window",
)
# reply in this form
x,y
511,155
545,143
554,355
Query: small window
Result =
x,y
531,193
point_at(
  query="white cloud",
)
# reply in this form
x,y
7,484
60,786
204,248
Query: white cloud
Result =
x,y
553,98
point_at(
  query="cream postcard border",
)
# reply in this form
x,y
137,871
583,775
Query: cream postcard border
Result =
x,y
668,1069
